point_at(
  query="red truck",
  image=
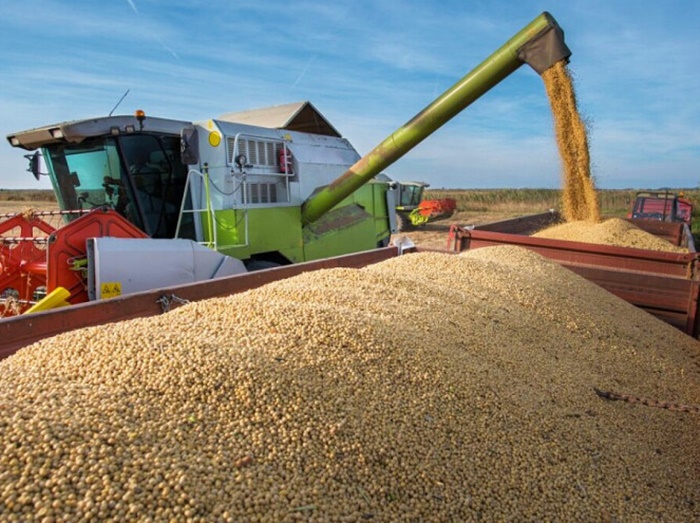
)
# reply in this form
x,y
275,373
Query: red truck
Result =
x,y
663,206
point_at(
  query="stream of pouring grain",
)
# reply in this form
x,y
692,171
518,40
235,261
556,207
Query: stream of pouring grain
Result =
x,y
579,197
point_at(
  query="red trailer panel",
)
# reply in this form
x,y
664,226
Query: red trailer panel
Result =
x,y
662,283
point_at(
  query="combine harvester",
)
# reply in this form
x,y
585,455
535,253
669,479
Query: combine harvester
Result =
x,y
412,211
182,211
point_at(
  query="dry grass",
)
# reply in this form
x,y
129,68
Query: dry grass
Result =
x,y
474,206
18,200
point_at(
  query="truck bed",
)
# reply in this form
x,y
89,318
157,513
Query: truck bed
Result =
x,y
19,331
664,284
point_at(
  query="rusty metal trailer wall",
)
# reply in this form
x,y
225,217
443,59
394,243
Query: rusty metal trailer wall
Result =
x,y
624,258
676,233
523,225
669,298
664,284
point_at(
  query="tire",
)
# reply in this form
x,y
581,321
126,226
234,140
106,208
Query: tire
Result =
x,y
403,222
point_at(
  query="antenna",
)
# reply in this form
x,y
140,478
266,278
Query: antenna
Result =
x,y
120,101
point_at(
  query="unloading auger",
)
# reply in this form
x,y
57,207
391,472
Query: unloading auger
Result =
x,y
540,44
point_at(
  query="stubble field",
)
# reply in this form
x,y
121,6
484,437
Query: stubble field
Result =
x,y
474,207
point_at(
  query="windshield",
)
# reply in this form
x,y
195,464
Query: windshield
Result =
x,y
654,208
140,176
411,195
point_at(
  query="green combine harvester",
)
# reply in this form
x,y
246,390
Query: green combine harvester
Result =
x,y
243,191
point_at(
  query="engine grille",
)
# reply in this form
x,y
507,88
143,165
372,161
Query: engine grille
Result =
x,y
259,153
262,193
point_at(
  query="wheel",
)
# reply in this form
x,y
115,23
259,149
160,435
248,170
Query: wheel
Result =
x,y
403,222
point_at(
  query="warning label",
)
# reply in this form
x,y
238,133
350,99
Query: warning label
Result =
x,y
111,289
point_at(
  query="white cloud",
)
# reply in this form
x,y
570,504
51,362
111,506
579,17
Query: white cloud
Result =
x,y
133,6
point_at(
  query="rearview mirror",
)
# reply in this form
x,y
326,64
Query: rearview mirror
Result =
x,y
34,164
189,146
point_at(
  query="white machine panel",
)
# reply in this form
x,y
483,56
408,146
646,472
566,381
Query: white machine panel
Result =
x,y
118,266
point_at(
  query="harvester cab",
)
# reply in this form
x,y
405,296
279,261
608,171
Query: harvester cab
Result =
x,y
113,162
413,211
410,194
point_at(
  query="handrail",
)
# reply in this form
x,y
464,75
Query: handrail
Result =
x,y
212,243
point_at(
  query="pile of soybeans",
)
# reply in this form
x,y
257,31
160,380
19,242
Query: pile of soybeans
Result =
x,y
613,231
430,387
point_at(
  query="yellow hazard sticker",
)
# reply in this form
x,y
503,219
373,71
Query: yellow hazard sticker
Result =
x,y
110,289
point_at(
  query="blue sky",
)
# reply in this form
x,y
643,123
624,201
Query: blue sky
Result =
x,y
369,66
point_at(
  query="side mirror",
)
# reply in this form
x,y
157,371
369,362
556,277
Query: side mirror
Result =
x,y
189,146
34,164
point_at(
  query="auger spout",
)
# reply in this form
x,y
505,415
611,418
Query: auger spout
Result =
x,y
540,44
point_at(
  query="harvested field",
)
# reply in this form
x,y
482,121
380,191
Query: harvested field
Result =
x,y
434,235
19,200
9,206
429,387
